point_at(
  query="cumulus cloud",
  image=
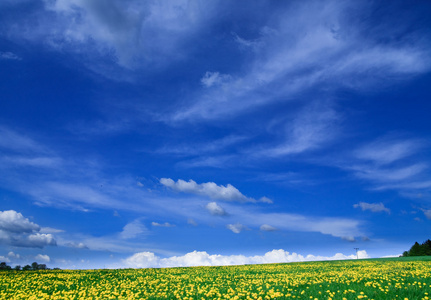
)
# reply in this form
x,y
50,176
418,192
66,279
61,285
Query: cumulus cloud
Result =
x,y
40,240
14,222
4,259
16,230
373,207
215,209
236,228
43,258
14,255
202,258
209,189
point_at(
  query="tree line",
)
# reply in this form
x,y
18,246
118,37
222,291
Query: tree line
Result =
x,y
417,249
33,267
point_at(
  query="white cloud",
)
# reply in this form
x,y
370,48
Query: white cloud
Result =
x,y
13,255
392,163
4,259
337,227
266,227
313,127
132,33
133,229
40,240
199,148
215,209
73,195
209,189
202,258
349,238
389,174
373,207
310,45
16,230
76,245
387,150
43,258
236,228
12,140
34,161
143,260
9,56
50,230
192,222
427,213
251,44
14,222
266,200
214,78
166,224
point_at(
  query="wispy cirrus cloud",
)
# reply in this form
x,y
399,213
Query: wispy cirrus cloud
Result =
x,y
312,128
236,228
387,150
130,33
391,162
323,47
373,207
133,229
166,224
266,227
12,140
9,56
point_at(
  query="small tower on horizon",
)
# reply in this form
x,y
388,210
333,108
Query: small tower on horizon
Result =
x,y
357,257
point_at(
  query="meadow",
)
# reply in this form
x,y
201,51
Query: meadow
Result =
x,y
400,278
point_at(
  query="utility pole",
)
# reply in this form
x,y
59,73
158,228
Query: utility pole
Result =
x,y
357,257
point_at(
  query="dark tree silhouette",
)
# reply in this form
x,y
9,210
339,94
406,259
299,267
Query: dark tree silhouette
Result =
x,y
417,249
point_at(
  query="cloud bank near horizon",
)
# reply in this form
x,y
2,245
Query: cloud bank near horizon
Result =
x,y
202,258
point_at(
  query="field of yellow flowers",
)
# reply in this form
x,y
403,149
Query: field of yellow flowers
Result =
x,y
354,279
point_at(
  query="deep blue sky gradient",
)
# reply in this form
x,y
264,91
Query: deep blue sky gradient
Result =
x,y
133,134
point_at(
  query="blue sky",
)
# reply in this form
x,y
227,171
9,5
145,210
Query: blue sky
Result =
x,y
147,134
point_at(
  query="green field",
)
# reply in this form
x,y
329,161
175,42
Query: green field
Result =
x,y
392,278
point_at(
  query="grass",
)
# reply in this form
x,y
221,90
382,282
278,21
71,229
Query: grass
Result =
x,y
389,278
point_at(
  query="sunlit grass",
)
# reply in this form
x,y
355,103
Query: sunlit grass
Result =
x,y
354,279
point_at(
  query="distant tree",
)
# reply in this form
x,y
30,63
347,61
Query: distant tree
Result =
x,y
26,268
427,247
41,267
417,249
4,266
17,268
